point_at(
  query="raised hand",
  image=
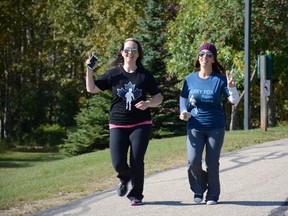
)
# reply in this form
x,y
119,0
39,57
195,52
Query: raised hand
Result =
x,y
230,81
91,61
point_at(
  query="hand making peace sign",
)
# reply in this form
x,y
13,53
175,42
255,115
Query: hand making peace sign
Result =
x,y
230,81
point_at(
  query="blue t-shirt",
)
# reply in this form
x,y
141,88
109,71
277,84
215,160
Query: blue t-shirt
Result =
x,y
205,100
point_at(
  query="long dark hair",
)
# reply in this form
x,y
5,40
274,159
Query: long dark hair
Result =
x,y
216,66
119,59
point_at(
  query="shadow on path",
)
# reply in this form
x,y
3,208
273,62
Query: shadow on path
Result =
x,y
168,203
255,203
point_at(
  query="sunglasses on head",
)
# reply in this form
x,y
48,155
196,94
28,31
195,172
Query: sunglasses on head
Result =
x,y
208,54
132,50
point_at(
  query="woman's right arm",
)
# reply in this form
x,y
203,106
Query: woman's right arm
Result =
x,y
184,114
90,83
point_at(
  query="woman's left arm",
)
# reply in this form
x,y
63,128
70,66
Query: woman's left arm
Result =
x,y
153,102
234,97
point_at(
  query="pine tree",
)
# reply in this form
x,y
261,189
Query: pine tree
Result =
x,y
92,131
153,37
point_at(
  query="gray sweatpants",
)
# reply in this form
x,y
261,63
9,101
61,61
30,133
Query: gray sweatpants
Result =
x,y
201,180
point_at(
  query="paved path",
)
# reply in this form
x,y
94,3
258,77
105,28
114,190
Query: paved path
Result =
x,y
254,182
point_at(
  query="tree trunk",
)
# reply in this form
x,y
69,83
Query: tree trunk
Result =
x,y
235,106
232,121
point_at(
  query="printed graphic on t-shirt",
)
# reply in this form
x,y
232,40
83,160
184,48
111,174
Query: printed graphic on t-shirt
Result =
x,y
129,93
205,96
193,103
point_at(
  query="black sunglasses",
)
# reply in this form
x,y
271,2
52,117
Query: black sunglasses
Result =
x,y
208,54
132,50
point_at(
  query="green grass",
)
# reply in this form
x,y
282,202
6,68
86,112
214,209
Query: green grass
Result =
x,y
42,180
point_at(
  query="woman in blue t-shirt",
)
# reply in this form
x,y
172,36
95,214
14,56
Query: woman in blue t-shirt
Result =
x,y
130,117
200,106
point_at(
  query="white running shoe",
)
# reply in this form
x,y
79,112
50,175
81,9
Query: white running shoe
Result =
x,y
211,202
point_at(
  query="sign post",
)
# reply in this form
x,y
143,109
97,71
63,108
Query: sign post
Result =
x,y
247,65
264,92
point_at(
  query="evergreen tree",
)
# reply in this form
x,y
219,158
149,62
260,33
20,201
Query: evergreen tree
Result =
x,y
92,131
153,37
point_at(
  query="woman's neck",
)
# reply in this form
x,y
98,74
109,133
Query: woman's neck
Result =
x,y
205,73
130,68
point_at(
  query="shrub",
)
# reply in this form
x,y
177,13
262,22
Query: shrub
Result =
x,y
49,135
92,131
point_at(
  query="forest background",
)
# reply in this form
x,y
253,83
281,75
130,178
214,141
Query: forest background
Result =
x,y
44,105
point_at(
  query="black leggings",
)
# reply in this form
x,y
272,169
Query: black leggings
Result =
x,y
137,138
